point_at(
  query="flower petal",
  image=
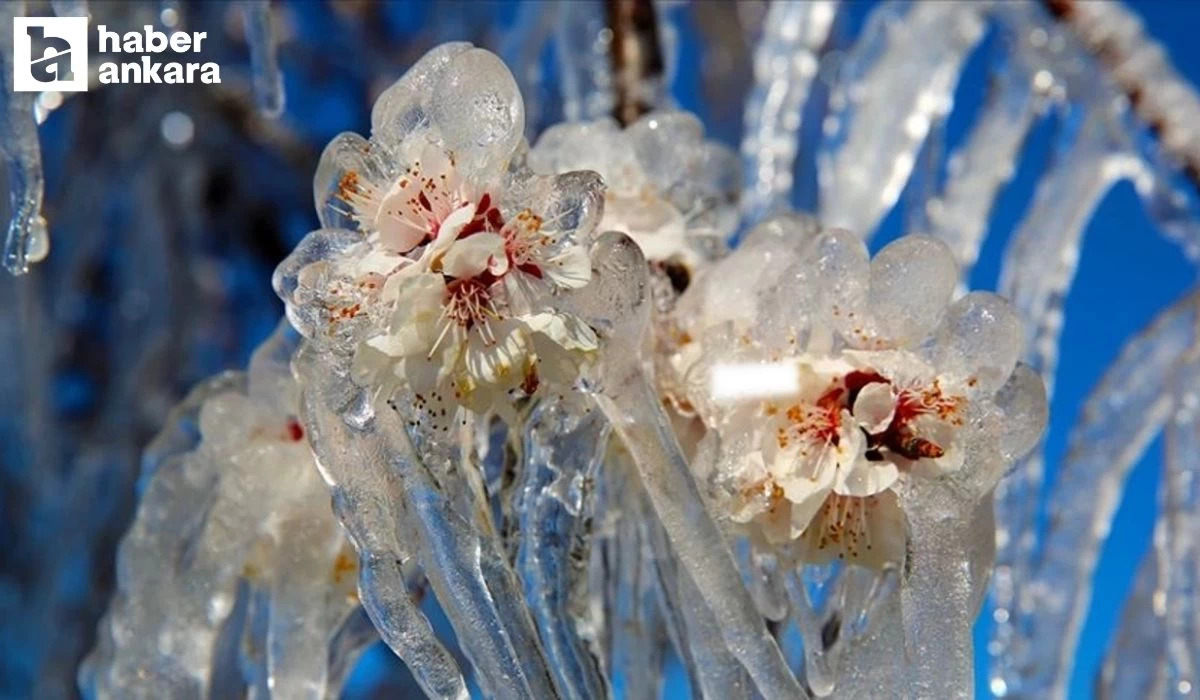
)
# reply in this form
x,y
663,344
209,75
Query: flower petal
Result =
x,y
500,356
572,269
867,478
566,330
887,532
470,256
875,406
350,168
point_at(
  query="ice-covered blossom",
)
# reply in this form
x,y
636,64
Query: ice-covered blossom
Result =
x,y
670,190
667,188
442,252
883,382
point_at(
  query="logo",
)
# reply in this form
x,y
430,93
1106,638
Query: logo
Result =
x,y
50,53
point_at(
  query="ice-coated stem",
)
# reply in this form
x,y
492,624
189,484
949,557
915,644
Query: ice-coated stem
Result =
x,y
27,239
712,669
638,417
467,568
565,442
361,502
1119,420
586,79
940,595
1134,667
1038,269
717,670
264,59
308,605
979,168
785,63
898,78
1179,553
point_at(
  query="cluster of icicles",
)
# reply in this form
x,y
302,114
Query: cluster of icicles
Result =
x,y
536,382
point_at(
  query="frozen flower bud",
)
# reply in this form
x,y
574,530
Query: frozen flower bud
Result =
x,y
667,188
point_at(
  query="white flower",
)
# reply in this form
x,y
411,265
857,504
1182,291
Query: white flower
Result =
x,y
856,423
453,326
895,384
442,256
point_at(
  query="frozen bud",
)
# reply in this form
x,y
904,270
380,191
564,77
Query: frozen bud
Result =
x,y
911,282
477,107
979,340
1022,401
401,110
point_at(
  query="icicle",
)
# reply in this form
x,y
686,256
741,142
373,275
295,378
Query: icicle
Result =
x,y
899,77
521,49
618,294
980,167
1120,418
639,631
382,487
1134,665
765,580
564,446
361,503
713,671
1179,555
582,45
833,606
785,63
27,239
717,671
951,545
264,59
873,667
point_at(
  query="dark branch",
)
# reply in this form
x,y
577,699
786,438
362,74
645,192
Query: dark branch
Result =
x,y
637,60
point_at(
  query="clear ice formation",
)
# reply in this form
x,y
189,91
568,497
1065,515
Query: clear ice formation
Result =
x,y
234,553
786,62
896,81
264,59
536,379
26,240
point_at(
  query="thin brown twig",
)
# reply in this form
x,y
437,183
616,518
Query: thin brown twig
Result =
x,y
1122,57
637,60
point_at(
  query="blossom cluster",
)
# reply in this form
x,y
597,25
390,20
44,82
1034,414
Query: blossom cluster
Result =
x,y
877,380
448,247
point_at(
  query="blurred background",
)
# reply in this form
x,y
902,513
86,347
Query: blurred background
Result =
x,y
169,206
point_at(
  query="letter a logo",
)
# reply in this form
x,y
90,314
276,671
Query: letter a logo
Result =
x,y
50,54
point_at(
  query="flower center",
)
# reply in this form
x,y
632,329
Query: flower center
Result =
x,y
524,242
901,434
469,301
842,522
